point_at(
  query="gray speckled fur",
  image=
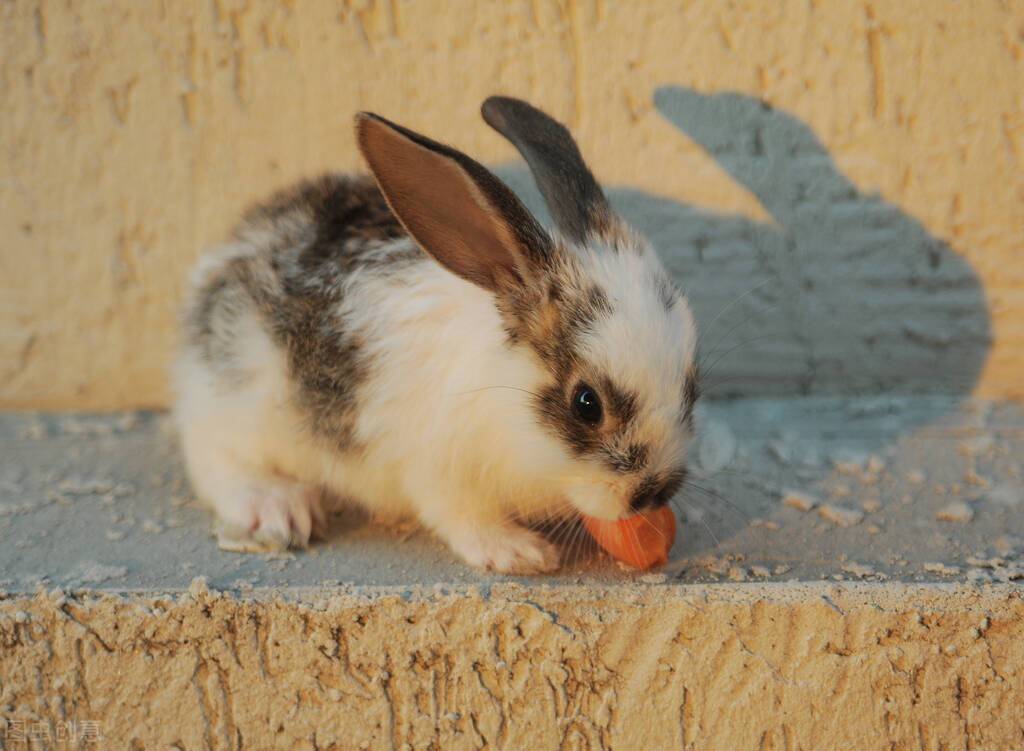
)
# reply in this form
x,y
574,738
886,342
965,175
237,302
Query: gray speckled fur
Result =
x,y
300,248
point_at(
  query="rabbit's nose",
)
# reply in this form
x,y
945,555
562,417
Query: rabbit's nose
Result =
x,y
654,493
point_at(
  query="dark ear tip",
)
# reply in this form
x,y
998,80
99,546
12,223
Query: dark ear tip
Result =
x,y
491,110
496,110
497,101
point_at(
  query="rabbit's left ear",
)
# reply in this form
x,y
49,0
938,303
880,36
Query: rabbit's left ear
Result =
x,y
457,211
576,201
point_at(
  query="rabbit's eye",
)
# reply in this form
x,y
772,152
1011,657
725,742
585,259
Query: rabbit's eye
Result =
x,y
586,404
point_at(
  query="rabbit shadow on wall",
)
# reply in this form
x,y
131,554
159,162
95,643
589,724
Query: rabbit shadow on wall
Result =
x,y
842,293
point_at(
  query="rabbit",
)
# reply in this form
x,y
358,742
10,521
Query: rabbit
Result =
x,y
418,344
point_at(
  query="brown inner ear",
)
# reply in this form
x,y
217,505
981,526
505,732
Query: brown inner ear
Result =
x,y
446,209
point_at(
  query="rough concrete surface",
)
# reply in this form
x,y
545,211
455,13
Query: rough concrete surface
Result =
x,y
818,593
876,209
651,667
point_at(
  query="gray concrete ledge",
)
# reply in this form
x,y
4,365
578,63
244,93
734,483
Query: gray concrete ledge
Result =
x,y
918,489
903,489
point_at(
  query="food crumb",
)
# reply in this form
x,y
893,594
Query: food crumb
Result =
x,y
875,464
935,567
737,574
654,578
973,478
198,587
859,569
849,462
798,500
955,512
841,515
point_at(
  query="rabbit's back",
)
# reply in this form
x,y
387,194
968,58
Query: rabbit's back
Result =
x,y
287,277
321,230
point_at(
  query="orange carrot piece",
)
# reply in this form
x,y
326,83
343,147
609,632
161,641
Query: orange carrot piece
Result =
x,y
642,541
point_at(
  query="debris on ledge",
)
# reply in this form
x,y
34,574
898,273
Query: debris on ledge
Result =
x,y
927,489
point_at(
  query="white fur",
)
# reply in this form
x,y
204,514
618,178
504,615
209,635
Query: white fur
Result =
x,y
445,428
645,349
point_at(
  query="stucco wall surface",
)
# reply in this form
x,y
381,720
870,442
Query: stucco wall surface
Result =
x,y
725,666
877,209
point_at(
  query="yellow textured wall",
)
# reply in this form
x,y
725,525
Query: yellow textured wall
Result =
x,y
134,131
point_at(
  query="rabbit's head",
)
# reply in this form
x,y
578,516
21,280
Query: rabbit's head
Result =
x,y
612,338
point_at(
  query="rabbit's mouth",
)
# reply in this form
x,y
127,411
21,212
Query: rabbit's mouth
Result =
x,y
616,498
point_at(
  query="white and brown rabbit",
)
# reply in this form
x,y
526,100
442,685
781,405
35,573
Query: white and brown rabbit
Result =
x,y
418,344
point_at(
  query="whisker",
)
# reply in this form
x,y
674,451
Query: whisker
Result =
x,y
634,542
774,335
721,312
729,472
709,504
715,384
682,511
650,524
563,528
714,495
577,537
725,336
488,388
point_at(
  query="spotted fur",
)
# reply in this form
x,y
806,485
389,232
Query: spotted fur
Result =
x,y
301,247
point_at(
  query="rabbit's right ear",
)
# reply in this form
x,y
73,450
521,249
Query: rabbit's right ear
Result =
x,y
576,201
456,210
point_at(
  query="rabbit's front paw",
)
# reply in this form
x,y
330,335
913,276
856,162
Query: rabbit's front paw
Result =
x,y
270,516
506,549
